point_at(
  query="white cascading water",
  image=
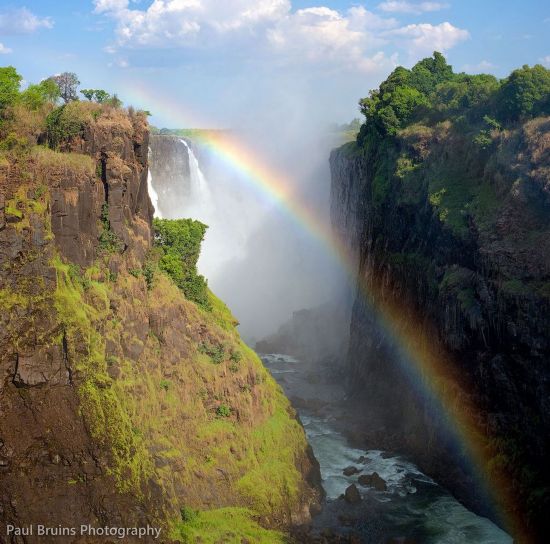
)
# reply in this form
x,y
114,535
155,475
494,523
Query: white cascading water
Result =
x,y
201,197
153,194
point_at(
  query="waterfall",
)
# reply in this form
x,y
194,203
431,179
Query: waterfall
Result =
x,y
200,206
153,194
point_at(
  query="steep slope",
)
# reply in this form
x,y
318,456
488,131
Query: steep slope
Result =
x,y
445,201
122,402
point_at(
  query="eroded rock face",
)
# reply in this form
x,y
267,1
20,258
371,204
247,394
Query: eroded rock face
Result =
x,y
51,467
480,296
45,365
108,409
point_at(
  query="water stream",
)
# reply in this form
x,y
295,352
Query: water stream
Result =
x,y
413,509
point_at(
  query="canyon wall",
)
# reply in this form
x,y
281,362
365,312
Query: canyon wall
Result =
x,y
453,250
169,169
123,403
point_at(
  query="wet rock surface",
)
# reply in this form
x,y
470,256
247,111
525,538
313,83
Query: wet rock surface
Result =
x,y
476,295
373,480
407,504
352,495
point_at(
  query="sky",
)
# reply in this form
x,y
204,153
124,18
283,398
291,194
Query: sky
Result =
x,y
216,63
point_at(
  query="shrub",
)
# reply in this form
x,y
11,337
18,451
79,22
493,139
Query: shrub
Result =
x,y
187,514
223,410
148,272
108,240
179,241
216,352
63,124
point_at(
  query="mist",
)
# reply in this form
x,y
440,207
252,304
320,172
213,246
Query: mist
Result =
x,y
258,257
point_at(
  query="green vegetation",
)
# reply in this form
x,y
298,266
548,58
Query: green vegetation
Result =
x,y
420,115
35,96
180,242
99,95
432,91
102,404
67,121
228,525
108,240
33,115
9,86
216,352
223,410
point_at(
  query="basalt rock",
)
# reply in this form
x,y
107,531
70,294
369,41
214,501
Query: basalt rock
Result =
x,y
373,480
352,494
108,406
471,282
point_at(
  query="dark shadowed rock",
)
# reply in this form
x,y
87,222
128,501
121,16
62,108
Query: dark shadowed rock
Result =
x,y
373,480
350,471
352,494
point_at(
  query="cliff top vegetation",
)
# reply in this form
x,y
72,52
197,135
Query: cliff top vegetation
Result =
x,y
431,92
49,113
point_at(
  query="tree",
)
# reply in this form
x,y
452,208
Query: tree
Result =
x,y
9,86
67,83
101,96
430,72
114,101
50,90
179,241
35,96
88,93
525,92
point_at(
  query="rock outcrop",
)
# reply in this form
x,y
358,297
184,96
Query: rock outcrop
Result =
x,y
452,246
112,410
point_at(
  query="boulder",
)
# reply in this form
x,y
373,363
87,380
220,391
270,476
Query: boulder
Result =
x,y
350,471
373,480
352,494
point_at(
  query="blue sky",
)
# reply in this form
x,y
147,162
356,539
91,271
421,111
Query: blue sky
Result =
x,y
219,63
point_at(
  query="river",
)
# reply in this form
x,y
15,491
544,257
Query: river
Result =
x,y
413,509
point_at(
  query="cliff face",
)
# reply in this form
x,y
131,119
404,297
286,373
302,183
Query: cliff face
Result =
x,y
170,169
121,401
457,238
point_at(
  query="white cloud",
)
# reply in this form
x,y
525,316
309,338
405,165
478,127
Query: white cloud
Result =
x,y
323,35
4,50
22,21
177,22
102,6
365,19
415,8
424,37
545,61
270,30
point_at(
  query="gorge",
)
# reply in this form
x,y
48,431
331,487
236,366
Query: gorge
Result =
x,y
396,288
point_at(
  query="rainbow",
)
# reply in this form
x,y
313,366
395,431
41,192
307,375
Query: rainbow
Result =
x,y
425,363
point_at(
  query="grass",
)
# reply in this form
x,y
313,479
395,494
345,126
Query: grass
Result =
x,y
102,405
227,525
76,162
